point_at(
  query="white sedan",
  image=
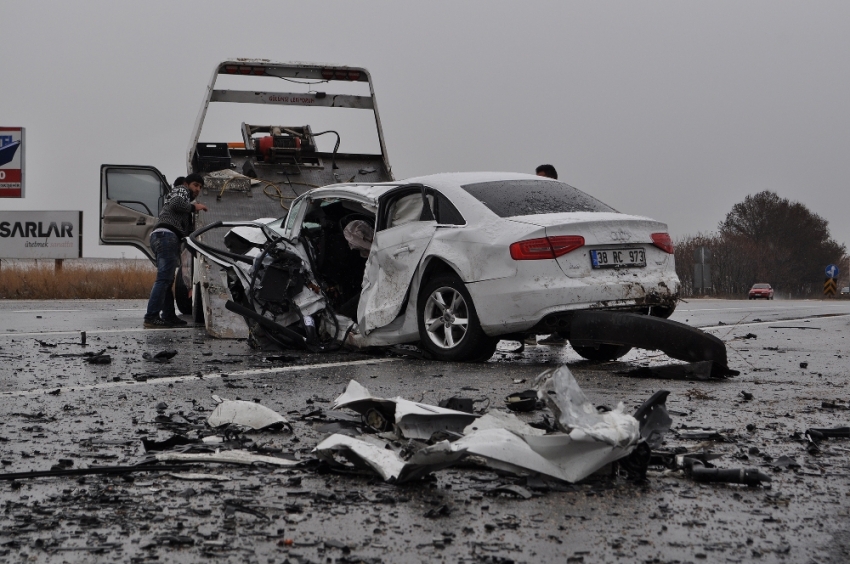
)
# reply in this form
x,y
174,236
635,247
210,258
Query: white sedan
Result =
x,y
452,262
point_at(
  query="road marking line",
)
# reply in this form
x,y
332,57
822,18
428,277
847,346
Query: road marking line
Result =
x,y
43,310
680,310
210,376
99,331
736,325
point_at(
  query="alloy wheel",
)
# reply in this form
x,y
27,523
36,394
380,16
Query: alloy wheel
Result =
x,y
446,317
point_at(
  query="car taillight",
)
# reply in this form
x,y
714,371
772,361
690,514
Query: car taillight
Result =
x,y
663,242
545,247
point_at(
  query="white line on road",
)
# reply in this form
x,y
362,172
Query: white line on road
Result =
x,y
44,310
736,325
195,377
99,331
680,310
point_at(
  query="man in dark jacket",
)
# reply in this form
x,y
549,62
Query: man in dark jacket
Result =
x,y
174,223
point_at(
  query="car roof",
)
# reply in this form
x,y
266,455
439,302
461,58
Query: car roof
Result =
x,y
449,183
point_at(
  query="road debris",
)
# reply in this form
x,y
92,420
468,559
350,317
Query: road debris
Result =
x,y
161,356
748,476
412,420
246,414
703,370
586,440
522,401
676,340
223,457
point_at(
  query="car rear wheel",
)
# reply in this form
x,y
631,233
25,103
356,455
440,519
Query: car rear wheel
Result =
x,y
448,324
601,352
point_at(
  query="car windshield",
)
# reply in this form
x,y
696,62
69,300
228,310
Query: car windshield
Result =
x,y
509,198
761,286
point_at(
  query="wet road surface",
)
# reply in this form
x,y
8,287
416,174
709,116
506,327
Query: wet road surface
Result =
x,y
59,411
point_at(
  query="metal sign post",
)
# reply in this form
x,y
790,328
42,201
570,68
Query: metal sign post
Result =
x,y
702,270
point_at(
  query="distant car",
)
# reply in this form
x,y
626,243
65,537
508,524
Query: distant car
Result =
x,y
451,261
761,291
845,291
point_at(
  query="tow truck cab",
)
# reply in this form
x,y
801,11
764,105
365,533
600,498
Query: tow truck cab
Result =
x,y
260,149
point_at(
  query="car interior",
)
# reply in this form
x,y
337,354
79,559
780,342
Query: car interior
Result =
x,y
338,264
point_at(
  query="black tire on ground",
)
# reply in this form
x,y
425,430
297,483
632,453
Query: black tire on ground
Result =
x,y
601,352
197,304
445,302
181,294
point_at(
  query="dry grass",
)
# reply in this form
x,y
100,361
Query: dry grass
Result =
x,y
123,281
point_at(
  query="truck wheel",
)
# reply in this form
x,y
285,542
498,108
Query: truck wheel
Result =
x,y
197,304
601,352
448,325
181,294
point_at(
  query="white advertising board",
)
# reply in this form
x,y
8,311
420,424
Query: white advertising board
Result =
x,y
41,234
12,144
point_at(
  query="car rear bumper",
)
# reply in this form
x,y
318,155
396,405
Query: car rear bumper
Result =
x,y
510,305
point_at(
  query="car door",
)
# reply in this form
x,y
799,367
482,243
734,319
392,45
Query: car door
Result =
x,y
404,228
131,198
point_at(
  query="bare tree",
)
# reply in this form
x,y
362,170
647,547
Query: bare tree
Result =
x,y
765,238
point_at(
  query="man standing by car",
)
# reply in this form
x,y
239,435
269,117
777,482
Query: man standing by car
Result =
x,y
546,170
173,224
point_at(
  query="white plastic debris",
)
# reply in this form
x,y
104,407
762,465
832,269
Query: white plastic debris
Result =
x,y
199,477
246,414
386,462
587,442
413,420
502,420
577,416
225,456
558,455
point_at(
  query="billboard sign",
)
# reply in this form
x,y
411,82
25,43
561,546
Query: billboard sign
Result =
x,y
41,234
11,162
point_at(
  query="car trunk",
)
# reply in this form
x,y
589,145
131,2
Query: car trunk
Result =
x,y
605,233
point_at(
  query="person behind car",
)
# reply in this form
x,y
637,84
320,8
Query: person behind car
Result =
x,y
173,224
546,170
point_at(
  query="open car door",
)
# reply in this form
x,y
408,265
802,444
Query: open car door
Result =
x,y
404,227
131,198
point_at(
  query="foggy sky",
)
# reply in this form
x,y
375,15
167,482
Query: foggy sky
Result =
x,y
675,110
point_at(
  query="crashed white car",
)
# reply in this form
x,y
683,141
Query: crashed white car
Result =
x,y
451,262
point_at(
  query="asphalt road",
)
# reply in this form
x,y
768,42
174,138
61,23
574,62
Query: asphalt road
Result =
x,y
59,411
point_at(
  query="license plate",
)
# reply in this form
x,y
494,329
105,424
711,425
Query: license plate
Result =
x,y
616,258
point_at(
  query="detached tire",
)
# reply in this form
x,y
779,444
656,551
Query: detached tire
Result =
x,y
448,324
601,352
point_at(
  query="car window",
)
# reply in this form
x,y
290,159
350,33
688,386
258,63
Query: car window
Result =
x,y
444,211
293,213
406,206
405,209
509,198
138,189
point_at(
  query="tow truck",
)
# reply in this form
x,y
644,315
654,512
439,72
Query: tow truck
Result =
x,y
325,130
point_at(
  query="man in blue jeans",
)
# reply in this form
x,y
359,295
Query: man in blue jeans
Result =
x,y
174,223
